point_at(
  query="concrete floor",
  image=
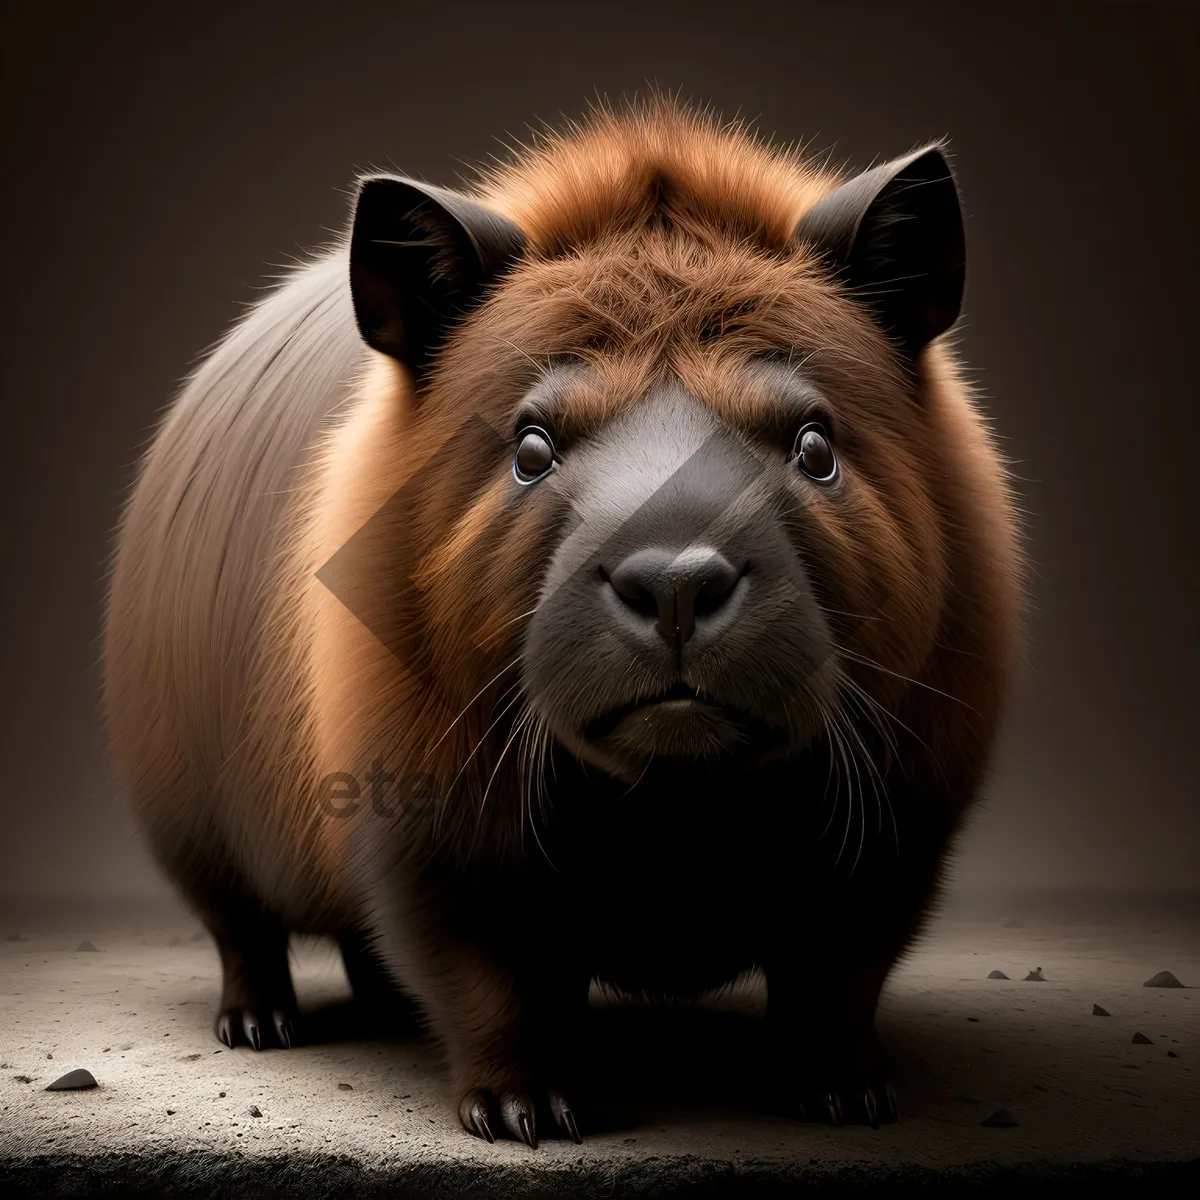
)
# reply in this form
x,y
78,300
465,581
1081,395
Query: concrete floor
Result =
x,y
674,1110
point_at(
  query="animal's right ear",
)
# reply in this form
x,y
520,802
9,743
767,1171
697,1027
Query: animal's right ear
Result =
x,y
894,234
420,257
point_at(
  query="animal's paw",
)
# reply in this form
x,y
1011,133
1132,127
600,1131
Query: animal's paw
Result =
x,y
489,1114
867,1100
256,1027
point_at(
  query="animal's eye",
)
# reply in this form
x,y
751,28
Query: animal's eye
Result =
x,y
535,454
813,452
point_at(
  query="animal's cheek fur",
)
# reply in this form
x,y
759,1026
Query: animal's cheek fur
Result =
x,y
882,573
479,587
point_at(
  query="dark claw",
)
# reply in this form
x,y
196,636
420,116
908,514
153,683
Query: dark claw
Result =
x,y
867,1099
891,1106
516,1111
283,1029
564,1118
527,1132
831,1103
250,1028
473,1112
572,1127
225,1029
480,1122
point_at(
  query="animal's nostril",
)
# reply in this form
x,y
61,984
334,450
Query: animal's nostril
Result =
x,y
673,587
634,580
719,579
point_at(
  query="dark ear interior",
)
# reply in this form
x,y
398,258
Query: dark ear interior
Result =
x,y
420,257
895,236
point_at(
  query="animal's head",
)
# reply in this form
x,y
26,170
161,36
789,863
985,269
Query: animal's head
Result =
x,y
680,490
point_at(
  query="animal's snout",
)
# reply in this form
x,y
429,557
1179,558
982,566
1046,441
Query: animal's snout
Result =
x,y
672,592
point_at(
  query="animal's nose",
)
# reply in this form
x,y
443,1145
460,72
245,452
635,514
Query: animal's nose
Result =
x,y
675,589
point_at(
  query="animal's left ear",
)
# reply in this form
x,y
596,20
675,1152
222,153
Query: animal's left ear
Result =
x,y
420,257
895,236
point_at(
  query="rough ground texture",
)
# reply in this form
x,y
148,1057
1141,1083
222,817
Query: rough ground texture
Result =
x,y
674,1108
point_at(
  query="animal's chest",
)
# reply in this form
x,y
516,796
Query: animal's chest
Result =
x,y
657,903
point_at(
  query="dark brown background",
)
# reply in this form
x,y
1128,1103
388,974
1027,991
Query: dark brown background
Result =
x,y
157,167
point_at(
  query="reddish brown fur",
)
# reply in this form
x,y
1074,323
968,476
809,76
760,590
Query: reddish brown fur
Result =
x,y
659,244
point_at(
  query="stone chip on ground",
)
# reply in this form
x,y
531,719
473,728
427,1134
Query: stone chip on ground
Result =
x,y
997,975
1162,979
86,947
1000,1119
73,1081
1140,1039
1097,1011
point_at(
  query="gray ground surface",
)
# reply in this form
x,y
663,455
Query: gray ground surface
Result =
x,y
674,1109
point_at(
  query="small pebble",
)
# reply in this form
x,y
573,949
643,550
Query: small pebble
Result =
x,y
170,1112
345,1087
1000,1119
997,975
1162,979
1140,1039
1097,1011
1035,976
1172,1054
253,1110
221,1095
22,1079
73,1081
972,1018
86,946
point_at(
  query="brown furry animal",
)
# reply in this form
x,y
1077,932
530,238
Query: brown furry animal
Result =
x,y
577,580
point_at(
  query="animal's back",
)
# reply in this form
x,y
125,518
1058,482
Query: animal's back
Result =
x,y
199,547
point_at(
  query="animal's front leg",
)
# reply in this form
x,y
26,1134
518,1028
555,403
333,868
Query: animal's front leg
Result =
x,y
510,1036
822,1022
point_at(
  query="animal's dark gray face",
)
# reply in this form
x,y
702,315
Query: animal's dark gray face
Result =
x,y
678,618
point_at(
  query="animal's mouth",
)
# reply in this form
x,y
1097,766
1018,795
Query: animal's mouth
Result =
x,y
676,707
602,726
